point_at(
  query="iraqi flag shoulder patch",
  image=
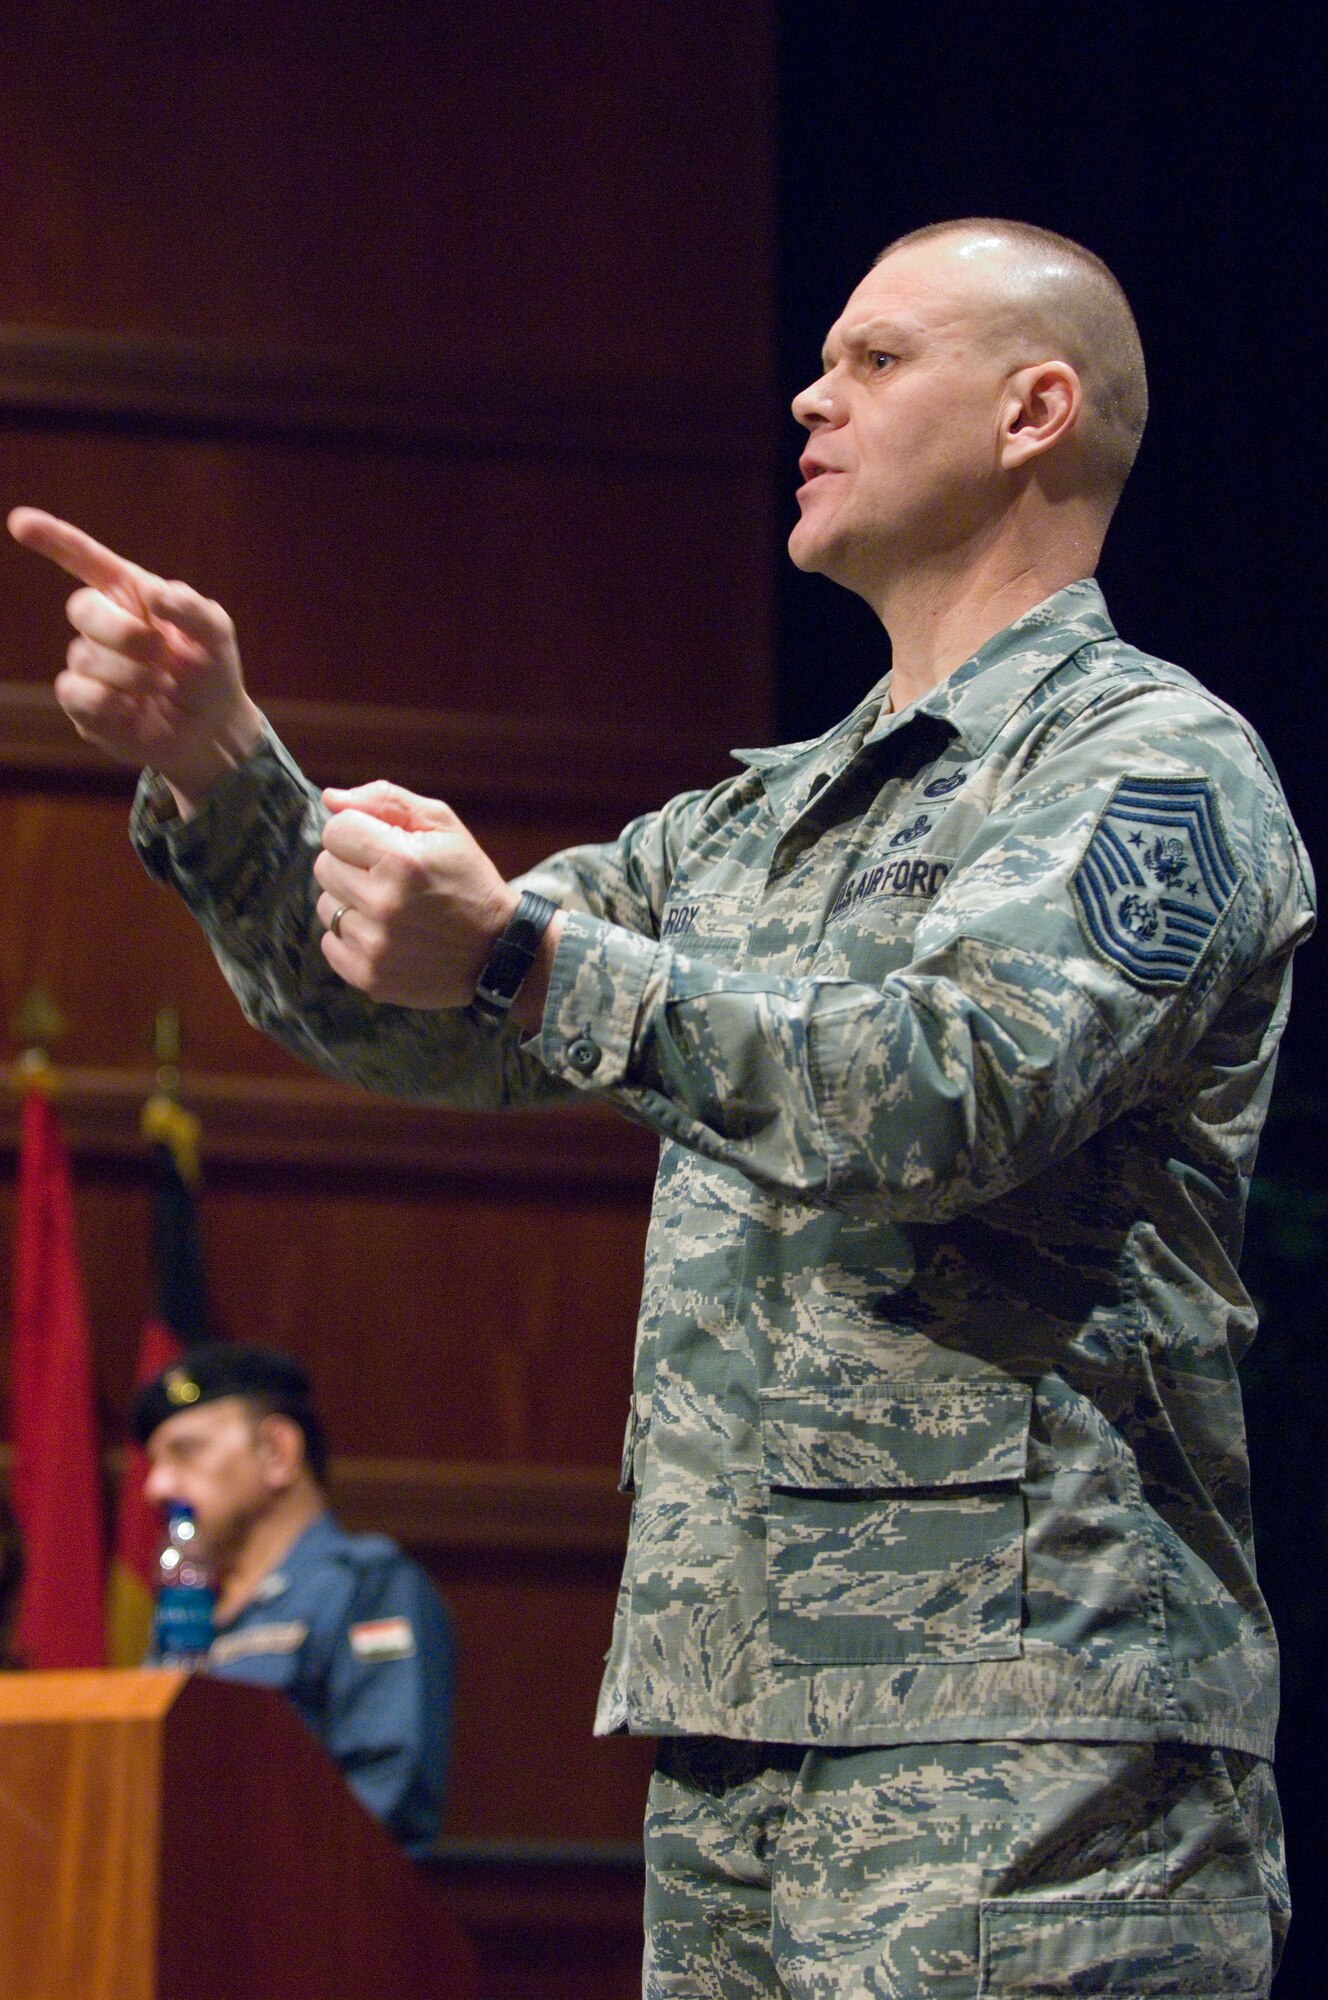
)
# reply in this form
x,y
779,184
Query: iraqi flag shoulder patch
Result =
x,y
1156,879
383,1639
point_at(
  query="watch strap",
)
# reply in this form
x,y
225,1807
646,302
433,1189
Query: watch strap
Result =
x,y
514,952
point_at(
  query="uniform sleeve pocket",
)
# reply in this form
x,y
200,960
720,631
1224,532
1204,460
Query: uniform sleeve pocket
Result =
x,y
895,1523
1192,1948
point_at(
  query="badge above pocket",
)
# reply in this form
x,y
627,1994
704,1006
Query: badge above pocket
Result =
x,y
1156,879
254,1641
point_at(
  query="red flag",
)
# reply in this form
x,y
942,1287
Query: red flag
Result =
x,y
133,1578
180,1320
56,1484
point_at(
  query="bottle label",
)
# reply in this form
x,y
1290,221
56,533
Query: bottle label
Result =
x,y
184,1622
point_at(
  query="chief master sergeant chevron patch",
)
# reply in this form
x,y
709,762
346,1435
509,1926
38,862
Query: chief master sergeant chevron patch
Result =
x,y
1156,878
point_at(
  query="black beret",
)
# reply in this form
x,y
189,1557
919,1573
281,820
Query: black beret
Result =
x,y
228,1368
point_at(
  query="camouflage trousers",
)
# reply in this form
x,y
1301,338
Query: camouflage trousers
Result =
x,y
956,1871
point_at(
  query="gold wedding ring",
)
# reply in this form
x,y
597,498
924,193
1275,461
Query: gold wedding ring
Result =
x,y
337,915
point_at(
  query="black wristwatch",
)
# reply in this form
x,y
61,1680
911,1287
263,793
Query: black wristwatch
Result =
x,y
512,956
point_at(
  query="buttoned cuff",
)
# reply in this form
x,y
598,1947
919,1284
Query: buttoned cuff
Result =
x,y
599,987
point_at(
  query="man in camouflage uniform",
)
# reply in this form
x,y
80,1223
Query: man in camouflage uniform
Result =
x,y
958,1027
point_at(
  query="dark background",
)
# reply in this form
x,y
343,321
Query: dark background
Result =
x,y
1185,146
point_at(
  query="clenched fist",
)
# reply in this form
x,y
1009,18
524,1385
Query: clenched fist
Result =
x,y
417,900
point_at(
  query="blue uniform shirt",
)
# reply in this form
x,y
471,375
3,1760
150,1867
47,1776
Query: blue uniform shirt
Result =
x,y
354,1634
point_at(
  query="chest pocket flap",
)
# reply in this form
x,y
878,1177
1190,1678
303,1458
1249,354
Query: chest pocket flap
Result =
x,y
895,1521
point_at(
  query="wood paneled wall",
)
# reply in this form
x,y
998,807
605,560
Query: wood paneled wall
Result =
x,y
437,343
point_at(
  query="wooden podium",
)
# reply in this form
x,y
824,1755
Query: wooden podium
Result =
x,y
164,1836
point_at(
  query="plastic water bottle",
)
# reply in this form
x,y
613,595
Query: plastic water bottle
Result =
x,y
186,1594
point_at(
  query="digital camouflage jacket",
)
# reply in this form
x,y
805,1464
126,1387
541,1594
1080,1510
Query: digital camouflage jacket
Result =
x,y
958,1029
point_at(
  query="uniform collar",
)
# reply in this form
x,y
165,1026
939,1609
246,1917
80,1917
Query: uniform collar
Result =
x,y
790,772
309,1547
980,696
973,703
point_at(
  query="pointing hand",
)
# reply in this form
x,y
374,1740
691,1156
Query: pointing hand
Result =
x,y
153,673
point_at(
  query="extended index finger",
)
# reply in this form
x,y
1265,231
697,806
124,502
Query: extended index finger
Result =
x,y
61,542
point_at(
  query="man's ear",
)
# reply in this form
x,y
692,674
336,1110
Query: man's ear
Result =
x,y
1041,407
281,1446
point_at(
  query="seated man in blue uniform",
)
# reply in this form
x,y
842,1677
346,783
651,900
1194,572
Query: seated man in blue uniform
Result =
x,y
345,1625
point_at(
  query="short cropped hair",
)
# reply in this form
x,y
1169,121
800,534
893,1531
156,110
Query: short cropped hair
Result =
x,y
1070,296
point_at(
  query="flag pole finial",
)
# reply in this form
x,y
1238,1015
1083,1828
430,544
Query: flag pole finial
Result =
x,y
37,1026
165,1121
